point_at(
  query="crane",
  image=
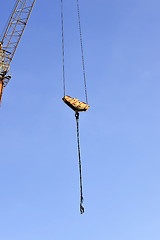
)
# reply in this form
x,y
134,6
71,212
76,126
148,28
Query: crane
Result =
x,y
8,44
11,38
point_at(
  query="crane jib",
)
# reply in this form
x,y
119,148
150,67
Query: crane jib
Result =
x,y
14,30
11,37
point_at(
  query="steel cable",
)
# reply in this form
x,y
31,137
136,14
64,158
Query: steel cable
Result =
x,y
63,46
80,165
81,41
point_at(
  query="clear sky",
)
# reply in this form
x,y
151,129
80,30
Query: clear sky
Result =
x,y
120,133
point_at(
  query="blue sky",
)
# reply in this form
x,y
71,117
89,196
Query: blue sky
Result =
x,y
120,133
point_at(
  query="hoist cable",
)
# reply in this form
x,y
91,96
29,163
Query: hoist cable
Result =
x,y
81,41
80,165
63,45
85,85
82,51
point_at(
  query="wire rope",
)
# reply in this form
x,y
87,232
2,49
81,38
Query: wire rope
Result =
x,y
82,51
80,165
85,86
62,23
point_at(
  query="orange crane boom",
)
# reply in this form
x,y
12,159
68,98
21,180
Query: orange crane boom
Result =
x,y
11,38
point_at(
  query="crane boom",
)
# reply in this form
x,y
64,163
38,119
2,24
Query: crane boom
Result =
x,y
12,36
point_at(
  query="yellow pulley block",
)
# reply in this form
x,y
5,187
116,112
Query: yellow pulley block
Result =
x,y
75,104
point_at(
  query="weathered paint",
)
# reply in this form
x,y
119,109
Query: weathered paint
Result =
x,y
75,104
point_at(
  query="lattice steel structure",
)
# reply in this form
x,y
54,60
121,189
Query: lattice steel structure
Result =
x,y
12,35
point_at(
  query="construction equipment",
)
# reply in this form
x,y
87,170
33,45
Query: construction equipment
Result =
x,y
11,38
74,103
